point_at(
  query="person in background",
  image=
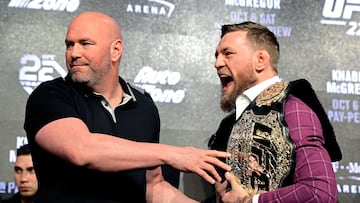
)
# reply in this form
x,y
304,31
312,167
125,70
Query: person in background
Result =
x,y
24,177
93,136
279,136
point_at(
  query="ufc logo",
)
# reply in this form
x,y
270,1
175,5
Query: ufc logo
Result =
x,y
340,8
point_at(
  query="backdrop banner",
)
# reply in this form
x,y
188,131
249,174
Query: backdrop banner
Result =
x,y
169,48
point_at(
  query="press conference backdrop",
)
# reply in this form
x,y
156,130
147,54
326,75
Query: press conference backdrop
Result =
x,y
169,51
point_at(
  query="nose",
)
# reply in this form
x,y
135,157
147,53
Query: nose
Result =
x,y
219,62
75,51
24,177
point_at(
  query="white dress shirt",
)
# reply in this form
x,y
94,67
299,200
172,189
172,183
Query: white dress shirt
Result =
x,y
243,100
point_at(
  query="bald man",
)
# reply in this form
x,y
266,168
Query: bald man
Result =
x,y
92,134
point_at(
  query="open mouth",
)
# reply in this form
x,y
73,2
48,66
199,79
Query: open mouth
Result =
x,y
225,80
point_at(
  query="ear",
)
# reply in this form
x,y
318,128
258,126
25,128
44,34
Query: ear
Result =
x,y
116,50
262,59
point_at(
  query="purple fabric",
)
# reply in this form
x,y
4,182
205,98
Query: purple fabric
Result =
x,y
314,178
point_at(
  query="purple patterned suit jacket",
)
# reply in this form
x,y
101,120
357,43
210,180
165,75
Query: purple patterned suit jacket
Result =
x,y
314,179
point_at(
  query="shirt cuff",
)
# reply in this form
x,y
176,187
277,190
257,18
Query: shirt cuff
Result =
x,y
255,198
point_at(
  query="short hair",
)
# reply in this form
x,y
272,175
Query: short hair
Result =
x,y
260,36
23,150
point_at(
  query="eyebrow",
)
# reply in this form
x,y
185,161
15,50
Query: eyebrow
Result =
x,y
28,168
222,50
80,40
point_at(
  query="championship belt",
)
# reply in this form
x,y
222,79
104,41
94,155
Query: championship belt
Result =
x,y
260,145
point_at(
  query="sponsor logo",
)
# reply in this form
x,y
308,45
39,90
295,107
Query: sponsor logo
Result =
x,y
47,5
35,70
150,80
340,12
154,7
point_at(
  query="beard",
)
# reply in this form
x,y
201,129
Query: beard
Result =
x,y
77,79
228,98
227,101
92,76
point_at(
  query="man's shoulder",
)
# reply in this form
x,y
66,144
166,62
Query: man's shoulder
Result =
x,y
53,82
136,88
46,86
131,88
13,199
138,92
